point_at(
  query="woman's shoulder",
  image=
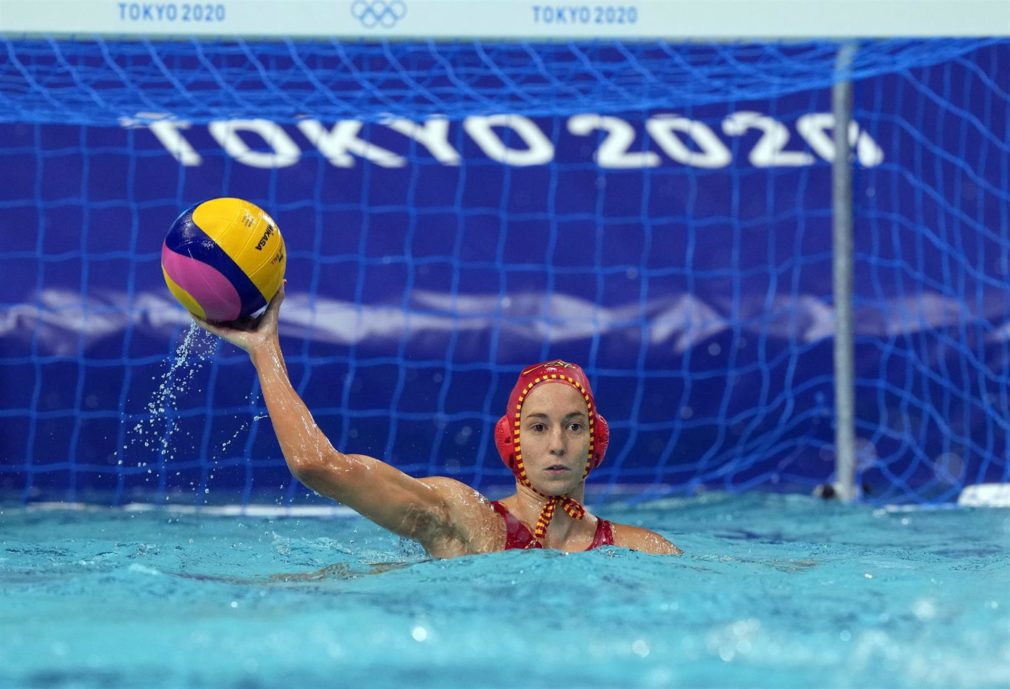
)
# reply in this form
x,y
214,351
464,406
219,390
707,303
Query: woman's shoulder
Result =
x,y
473,525
643,540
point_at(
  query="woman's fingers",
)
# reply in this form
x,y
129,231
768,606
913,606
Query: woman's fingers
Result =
x,y
245,333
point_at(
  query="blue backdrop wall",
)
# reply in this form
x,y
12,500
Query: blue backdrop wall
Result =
x,y
682,256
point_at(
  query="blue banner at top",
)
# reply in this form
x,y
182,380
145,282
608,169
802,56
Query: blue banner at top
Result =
x,y
682,256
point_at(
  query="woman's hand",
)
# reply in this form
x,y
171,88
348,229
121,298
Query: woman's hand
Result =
x,y
250,333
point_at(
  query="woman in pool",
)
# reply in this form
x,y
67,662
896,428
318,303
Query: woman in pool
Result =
x,y
551,437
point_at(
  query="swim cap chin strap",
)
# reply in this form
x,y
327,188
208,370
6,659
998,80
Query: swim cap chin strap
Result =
x,y
507,436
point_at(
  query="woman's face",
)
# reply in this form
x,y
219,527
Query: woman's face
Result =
x,y
554,438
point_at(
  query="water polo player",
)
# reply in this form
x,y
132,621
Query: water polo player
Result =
x,y
551,436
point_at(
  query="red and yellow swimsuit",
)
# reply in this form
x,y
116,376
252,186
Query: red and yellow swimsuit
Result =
x,y
519,536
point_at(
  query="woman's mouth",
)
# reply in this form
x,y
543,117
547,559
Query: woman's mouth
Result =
x,y
557,469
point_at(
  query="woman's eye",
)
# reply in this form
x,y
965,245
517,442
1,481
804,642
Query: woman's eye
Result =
x,y
537,428
576,427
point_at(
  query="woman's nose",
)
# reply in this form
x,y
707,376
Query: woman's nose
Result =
x,y
557,441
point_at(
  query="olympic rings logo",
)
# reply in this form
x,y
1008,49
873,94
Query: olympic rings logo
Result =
x,y
372,13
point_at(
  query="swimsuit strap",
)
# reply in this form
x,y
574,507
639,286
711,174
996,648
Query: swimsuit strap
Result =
x,y
604,534
519,537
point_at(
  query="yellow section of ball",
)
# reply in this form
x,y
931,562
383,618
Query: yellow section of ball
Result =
x,y
184,297
250,236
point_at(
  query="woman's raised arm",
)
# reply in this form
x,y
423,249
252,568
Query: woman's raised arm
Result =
x,y
428,511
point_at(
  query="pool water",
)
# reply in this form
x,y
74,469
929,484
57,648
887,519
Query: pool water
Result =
x,y
773,591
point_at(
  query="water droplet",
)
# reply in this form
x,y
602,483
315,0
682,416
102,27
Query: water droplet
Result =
x,y
640,648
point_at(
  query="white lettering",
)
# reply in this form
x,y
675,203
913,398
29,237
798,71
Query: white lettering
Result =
x,y
868,152
168,133
712,152
539,149
613,152
814,128
433,135
170,136
339,143
284,151
817,128
770,150
519,141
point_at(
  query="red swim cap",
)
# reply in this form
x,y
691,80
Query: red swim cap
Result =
x,y
507,440
506,432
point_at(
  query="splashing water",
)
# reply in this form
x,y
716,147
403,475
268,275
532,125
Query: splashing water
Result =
x,y
242,428
156,431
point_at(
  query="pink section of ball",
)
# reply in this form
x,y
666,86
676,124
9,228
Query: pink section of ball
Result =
x,y
213,291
